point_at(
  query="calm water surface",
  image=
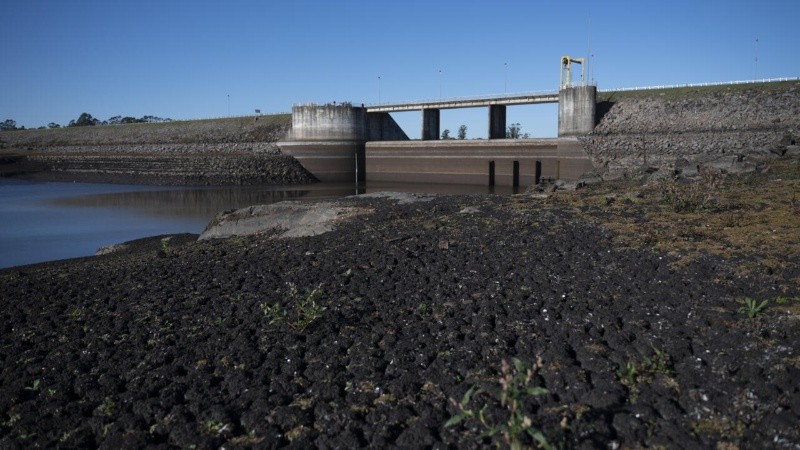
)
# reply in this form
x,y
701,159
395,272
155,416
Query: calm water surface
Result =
x,y
49,221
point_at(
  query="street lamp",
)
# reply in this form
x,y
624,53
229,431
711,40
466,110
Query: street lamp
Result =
x,y
755,62
440,84
505,72
229,105
379,89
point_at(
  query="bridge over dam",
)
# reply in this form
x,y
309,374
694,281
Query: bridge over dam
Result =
x,y
346,143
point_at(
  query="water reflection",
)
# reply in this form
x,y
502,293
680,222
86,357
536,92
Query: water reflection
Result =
x,y
47,221
202,203
205,203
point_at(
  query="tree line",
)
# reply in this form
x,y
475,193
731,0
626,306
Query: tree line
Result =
x,y
86,120
514,131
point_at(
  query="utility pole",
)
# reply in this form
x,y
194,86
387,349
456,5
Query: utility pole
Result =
x,y
755,62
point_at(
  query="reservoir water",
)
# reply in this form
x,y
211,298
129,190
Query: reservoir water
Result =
x,y
48,221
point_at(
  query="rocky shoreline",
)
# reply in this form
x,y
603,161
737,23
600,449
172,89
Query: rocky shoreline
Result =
x,y
392,329
238,151
722,127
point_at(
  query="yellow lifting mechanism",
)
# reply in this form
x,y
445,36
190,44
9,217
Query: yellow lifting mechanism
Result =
x,y
566,70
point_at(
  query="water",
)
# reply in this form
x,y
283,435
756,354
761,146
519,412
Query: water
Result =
x,y
48,221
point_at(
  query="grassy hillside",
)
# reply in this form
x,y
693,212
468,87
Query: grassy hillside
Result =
x,y
235,129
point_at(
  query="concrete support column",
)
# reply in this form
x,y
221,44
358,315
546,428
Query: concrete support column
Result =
x,y
497,121
430,124
576,110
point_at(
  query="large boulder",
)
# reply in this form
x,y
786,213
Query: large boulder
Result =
x,y
290,219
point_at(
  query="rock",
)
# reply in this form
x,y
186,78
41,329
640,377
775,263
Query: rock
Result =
x,y
470,210
108,249
294,219
401,197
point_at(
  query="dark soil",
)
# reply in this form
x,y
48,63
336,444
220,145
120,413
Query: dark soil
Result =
x,y
168,345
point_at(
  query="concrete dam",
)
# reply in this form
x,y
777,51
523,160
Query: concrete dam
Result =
x,y
346,143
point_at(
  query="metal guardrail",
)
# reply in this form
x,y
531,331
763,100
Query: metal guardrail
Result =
x,y
464,99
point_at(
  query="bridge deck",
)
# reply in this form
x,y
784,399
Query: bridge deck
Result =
x,y
471,102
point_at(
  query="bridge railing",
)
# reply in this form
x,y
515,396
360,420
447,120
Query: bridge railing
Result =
x,y
691,85
465,99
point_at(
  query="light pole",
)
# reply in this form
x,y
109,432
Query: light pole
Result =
x,y
379,89
229,105
505,74
440,84
755,62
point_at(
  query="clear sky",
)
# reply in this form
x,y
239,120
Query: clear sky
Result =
x,y
196,59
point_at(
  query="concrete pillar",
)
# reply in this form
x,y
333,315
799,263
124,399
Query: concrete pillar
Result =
x,y
430,124
576,110
497,121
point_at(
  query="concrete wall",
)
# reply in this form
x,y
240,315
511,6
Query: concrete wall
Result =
x,y
341,122
576,110
467,162
329,161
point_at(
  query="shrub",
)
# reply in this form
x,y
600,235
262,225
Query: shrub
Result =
x,y
696,196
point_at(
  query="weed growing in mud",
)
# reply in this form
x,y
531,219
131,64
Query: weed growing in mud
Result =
x,y
693,197
752,308
515,387
633,372
302,310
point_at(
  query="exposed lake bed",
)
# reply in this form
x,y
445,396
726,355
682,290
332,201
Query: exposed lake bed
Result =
x,y
639,337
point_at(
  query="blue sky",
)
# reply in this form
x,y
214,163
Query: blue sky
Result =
x,y
196,59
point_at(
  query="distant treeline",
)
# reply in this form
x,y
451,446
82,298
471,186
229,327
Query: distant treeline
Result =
x,y
86,120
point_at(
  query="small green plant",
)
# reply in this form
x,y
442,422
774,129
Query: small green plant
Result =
x,y
658,363
781,300
633,372
515,387
752,308
214,427
303,310
628,375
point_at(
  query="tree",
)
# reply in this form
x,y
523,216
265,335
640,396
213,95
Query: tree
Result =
x,y
85,120
8,125
53,125
446,134
462,132
514,131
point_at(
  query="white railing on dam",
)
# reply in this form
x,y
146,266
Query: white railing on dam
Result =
x,y
691,85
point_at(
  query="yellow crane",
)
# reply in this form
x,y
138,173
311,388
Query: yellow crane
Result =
x,y
566,70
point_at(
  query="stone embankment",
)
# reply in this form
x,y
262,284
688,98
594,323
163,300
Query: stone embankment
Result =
x,y
239,151
683,129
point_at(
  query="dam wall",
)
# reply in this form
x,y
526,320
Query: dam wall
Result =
x,y
329,140
231,151
670,129
496,162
